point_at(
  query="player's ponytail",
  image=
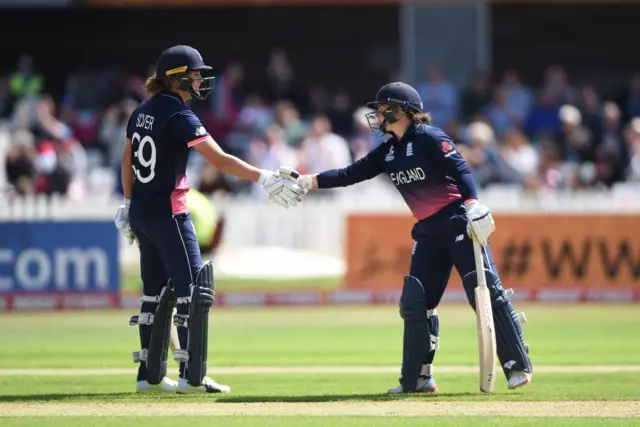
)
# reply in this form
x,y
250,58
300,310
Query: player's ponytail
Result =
x,y
155,85
419,118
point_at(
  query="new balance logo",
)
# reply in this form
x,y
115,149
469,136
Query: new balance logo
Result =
x,y
410,149
509,364
460,238
200,130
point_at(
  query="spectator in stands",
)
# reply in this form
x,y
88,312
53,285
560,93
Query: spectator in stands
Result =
x,y
519,97
271,151
25,116
323,149
543,120
632,102
439,96
476,95
20,156
362,140
632,141
552,175
111,131
557,84
52,177
497,112
611,151
255,115
518,152
25,82
288,117
487,164
48,122
318,101
574,140
5,97
341,114
229,94
279,79
591,110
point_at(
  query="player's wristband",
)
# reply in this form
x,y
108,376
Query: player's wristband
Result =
x,y
306,181
127,201
264,174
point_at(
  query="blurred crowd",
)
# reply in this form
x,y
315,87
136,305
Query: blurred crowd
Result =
x,y
551,137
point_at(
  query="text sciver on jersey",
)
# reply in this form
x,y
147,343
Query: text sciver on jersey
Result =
x,y
144,121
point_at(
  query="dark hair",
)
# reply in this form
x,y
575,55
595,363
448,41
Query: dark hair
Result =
x,y
155,84
419,118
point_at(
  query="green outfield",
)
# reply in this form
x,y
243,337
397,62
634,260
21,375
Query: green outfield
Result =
x,y
321,366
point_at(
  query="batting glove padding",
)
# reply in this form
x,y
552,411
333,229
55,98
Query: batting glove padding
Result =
x,y
282,187
122,222
480,224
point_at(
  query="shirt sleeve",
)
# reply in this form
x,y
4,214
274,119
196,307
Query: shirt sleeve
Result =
x,y
444,150
186,128
363,169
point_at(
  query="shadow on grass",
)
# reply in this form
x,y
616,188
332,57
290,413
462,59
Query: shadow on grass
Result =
x,y
132,397
341,397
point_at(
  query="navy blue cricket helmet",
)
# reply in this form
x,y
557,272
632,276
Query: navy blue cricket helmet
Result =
x,y
396,94
177,61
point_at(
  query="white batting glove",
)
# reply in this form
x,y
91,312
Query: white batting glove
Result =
x,y
480,223
293,175
284,192
306,182
122,221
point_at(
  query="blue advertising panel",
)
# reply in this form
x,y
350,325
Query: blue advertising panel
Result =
x,y
58,257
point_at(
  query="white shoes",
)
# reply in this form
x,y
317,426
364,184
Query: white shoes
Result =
x,y
167,385
208,386
428,385
425,385
519,379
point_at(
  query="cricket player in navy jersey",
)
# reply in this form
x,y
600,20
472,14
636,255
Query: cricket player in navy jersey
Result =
x,y
160,133
435,182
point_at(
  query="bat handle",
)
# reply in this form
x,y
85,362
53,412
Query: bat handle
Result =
x,y
479,260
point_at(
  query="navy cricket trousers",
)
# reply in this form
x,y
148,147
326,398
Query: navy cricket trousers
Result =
x,y
441,242
168,250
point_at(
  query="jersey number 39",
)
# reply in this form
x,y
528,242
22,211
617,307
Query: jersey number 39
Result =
x,y
140,161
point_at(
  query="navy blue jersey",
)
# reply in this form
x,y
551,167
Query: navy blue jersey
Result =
x,y
425,167
162,130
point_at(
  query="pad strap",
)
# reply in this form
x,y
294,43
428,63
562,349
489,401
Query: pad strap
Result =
x,y
427,370
141,319
140,356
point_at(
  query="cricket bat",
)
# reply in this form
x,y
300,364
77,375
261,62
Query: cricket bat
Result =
x,y
174,342
486,329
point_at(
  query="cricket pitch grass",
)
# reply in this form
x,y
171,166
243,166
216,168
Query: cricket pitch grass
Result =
x,y
322,367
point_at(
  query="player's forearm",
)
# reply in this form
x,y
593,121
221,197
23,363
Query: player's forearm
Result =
x,y
127,172
344,177
237,167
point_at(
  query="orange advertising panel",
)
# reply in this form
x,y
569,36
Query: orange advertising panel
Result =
x,y
541,251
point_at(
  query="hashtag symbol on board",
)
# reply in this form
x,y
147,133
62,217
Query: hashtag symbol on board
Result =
x,y
515,258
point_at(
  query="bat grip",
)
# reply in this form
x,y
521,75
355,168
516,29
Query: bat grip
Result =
x,y
479,261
